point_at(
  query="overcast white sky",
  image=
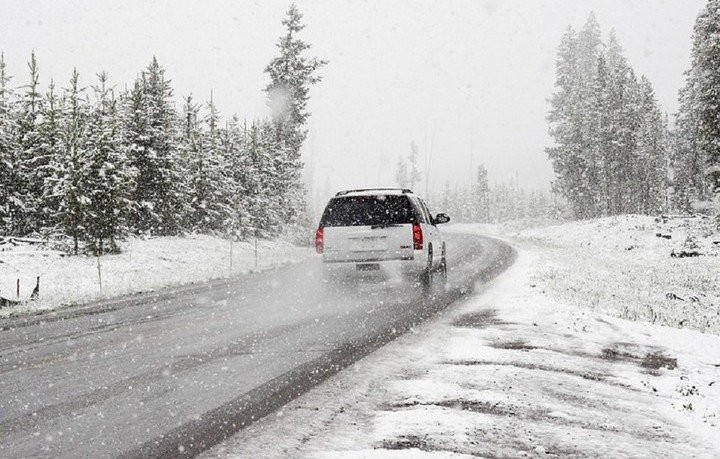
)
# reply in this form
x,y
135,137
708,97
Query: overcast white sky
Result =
x,y
467,80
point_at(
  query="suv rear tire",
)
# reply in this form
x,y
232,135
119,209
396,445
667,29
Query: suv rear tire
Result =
x,y
426,278
442,271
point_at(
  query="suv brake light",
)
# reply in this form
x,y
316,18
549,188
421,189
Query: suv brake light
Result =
x,y
319,239
417,236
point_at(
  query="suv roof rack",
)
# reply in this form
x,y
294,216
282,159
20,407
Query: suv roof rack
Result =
x,y
360,190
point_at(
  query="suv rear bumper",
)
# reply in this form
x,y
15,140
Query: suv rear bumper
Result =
x,y
368,260
403,267
368,256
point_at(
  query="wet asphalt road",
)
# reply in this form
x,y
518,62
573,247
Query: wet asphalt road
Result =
x,y
176,372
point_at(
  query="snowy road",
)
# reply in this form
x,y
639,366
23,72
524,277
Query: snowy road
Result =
x,y
509,372
179,371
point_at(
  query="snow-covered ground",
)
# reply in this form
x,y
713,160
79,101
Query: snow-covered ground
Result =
x,y
144,265
526,369
632,267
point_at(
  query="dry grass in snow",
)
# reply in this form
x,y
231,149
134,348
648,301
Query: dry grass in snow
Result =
x,y
631,266
634,267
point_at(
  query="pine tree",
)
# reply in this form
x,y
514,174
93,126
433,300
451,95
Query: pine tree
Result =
x,y
481,191
401,174
263,203
209,183
107,177
239,174
706,86
28,178
291,76
566,130
618,118
652,153
414,175
688,160
194,154
9,193
610,143
274,176
69,167
589,160
446,198
219,182
152,138
48,150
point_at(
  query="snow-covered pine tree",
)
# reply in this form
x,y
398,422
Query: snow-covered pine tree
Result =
x,y
598,112
69,166
9,193
279,182
687,159
533,206
291,76
49,149
618,116
239,174
481,191
652,153
192,154
134,128
263,202
28,176
194,157
401,174
152,139
446,199
414,175
706,73
566,127
107,177
586,120
541,206
208,183
221,186
254,187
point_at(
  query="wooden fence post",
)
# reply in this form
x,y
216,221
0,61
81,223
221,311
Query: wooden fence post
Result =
x,y
256,248
99,271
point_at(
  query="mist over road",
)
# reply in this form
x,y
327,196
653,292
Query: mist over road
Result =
x,y
180,370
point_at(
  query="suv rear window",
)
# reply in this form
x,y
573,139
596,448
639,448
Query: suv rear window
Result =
x,y
368,211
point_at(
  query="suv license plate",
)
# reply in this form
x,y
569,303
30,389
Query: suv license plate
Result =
x,y
368,267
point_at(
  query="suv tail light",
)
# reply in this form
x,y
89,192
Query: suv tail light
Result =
x,y
417,236
319,242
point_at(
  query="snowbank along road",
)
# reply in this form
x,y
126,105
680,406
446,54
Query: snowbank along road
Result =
x,y
177,372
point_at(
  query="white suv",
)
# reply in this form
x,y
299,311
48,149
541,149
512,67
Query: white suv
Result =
x,y
385,231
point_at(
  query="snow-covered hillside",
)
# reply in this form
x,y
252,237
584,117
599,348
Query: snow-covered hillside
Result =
x,y
664,270
144,264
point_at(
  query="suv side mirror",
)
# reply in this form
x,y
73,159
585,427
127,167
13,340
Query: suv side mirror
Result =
x,y
441,218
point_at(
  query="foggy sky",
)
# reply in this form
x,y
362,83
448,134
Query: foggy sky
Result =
x,y
466,80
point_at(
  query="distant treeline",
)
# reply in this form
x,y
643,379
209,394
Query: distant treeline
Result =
x,y
481,202
613,151
95,163
501,202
